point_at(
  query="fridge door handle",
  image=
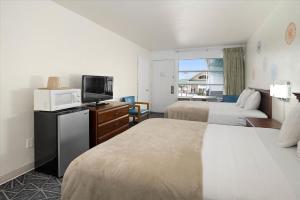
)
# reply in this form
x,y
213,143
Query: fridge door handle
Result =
x,y
172,89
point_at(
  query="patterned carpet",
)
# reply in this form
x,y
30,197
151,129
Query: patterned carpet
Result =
x,y
32,185
37,186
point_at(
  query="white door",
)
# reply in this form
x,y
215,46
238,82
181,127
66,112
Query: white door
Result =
x,y
144,76
163,90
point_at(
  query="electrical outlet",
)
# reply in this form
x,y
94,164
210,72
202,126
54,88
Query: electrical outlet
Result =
x,y
29,143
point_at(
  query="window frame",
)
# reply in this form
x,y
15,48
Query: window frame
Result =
x,y
199,71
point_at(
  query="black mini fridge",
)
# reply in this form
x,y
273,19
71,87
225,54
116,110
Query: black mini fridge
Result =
x,y
59,137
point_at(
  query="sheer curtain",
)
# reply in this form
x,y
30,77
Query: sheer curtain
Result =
x,y
234,70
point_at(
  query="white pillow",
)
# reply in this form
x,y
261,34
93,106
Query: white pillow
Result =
x,y
244,97
253,101
290,130
298,149
239,101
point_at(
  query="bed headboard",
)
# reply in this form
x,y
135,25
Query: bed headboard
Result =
x,y
265,102
297,96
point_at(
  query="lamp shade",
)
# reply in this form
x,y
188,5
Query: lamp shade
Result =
x,y
53,83
282,91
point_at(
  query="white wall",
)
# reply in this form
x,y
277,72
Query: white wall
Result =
x,y
277,60
41,39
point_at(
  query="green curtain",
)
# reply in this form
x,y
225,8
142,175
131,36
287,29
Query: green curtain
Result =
x,y
234,70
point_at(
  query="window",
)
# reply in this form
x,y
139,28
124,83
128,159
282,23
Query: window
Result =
x,y
201,77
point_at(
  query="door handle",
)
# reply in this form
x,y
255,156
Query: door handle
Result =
x,y
172,89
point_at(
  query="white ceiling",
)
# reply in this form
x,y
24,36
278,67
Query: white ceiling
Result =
x,y
176,24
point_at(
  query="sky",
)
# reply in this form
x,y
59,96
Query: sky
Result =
x,y
191,65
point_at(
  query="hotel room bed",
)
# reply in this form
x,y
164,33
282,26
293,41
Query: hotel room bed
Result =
x,y
156,159
164,159
219,112
247,163
211,112
230,114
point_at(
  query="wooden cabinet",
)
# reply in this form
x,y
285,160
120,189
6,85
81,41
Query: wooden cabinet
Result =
x,y
108,121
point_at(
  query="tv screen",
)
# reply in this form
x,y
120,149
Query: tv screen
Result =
x,y
96,88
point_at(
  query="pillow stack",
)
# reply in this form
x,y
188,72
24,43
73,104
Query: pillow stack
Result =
x,y
253,101
249,99
290,131
243,97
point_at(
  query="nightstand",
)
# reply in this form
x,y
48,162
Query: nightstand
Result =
x,y
263,123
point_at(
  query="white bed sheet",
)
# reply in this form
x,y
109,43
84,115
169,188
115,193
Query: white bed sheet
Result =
x,y
246,163
230,114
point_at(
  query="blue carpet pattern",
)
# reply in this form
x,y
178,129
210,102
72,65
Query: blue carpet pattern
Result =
x,y
31,186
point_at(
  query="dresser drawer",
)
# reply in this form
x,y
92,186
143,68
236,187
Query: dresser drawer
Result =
x,y
112,134
112,125
112,114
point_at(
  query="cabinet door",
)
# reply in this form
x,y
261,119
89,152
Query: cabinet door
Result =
x,y
73,137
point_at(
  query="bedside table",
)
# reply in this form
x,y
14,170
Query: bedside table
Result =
x,y
263,123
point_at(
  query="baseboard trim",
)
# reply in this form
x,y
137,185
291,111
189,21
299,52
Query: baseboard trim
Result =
x,y
18,172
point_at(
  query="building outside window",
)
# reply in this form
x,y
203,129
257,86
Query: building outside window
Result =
x,y
201,77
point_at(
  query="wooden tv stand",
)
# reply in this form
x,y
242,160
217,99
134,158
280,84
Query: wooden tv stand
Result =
x,y
107,121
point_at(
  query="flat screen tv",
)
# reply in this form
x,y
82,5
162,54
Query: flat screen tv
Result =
x,y
96,88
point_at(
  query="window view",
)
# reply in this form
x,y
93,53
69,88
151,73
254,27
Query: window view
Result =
x,y
201,77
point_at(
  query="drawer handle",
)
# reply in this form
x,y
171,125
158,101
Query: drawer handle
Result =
x,y
117,113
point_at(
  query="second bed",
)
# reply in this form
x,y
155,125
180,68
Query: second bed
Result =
x,y
219,112
212,112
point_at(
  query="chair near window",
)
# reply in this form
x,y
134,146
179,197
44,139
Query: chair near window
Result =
x,y
136,111
230,98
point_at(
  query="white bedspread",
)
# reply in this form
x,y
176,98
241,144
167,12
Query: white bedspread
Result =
x,y
246,163
230,114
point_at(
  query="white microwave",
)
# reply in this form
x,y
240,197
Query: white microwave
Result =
x,y
52,100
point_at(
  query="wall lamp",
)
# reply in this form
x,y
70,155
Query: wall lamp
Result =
x,y
281,90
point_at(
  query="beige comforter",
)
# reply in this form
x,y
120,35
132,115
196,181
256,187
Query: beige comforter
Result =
x,y
188,110
157,159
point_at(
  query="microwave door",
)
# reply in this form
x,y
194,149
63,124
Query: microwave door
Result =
x,y
62,100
